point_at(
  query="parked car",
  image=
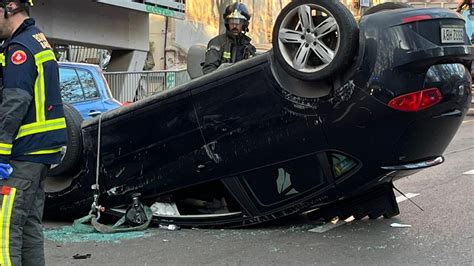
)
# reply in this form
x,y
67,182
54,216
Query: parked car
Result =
x,y
84,87
326,120
86,94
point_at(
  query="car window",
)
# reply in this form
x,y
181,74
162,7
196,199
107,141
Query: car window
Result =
x,y
71,89
77,85
88,84
342,164
278,182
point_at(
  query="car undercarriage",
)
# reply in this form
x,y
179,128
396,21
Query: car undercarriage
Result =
x,y
323,123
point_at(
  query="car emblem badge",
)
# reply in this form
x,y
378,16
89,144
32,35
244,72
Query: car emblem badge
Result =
x,y
19,57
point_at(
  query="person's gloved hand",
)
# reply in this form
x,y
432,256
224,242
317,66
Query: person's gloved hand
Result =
x,y
5,170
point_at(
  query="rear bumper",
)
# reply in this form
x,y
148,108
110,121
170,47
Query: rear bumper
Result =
x,y
416,165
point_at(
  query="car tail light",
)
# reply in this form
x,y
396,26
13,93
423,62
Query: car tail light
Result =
x,y
415,18
416,101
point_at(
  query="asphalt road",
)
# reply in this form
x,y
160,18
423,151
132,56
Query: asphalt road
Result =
x,y
442,234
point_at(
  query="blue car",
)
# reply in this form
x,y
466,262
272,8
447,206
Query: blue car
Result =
x,y
85,94
84,87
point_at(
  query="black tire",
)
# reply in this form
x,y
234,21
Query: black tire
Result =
x,y
73,153
385,7
341,41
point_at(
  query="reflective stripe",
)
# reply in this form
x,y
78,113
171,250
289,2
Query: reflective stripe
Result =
x,y
226,55
51,151
41,127
5,149
2,245
40,97
44,56
2,59
5,218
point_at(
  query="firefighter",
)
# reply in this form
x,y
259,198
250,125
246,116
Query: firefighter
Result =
x,y
233,45
32,132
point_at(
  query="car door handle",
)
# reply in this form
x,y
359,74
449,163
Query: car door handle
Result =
x,y
93,113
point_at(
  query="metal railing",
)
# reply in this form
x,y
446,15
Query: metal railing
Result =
x,y
82,54
134,86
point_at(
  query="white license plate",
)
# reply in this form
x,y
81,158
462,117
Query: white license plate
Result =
x,y
452,35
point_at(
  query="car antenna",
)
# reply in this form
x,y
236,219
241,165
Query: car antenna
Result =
x,y
403,194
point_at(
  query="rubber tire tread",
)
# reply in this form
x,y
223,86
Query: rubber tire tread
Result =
x,y
74,143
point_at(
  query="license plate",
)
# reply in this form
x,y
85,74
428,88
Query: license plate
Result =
x,y
452,34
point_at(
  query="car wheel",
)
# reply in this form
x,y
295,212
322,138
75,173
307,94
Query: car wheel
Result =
x,y
72,152
313,40
385,7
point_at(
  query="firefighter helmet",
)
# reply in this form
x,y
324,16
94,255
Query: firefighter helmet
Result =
x,y
24,5
237,13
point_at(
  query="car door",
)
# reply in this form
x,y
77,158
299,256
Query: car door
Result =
x,y
248,125
79,89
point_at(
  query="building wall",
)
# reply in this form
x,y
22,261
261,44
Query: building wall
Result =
x,y
91,24
157,39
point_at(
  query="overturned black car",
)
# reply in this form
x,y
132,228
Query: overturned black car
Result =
x,y
326,120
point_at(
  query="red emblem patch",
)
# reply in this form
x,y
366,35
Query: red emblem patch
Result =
x,y
5,190
19,57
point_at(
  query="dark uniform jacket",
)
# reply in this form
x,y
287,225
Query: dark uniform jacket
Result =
x,y
32,123
227,48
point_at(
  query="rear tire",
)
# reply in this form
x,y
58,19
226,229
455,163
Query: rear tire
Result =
x,y
313,40
73,150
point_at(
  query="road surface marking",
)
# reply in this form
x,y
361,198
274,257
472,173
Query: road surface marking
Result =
x,y
471,172
467,121
331,225
408,196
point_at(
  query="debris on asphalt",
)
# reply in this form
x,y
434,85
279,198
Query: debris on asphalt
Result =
x,y
328,226
164,208
397,225
68,234
171,227
81,257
